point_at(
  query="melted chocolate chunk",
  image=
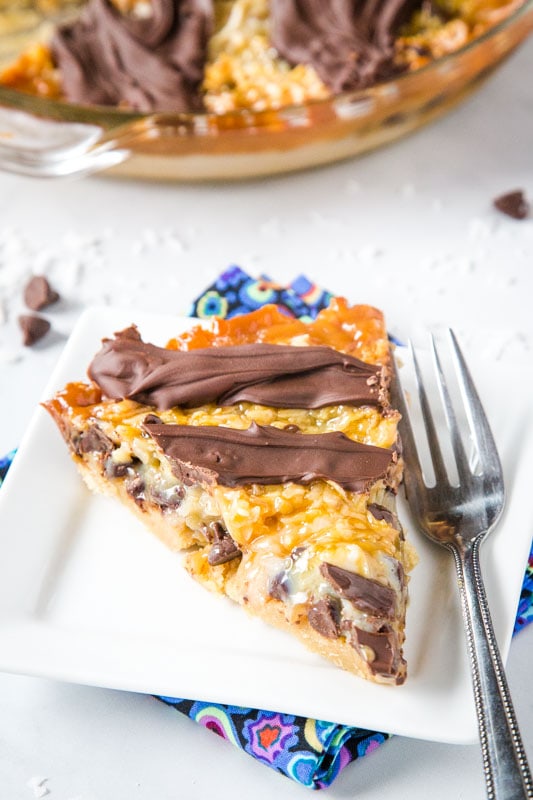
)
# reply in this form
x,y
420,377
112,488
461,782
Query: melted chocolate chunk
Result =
x,y
223,551
365,594
267,455
39,294
148,63
214,531
224,548
379,512
279,586
114,470
93,440
282,376
167,498
350,43
136,488
384,646
33,328
152,419
514,204
324,617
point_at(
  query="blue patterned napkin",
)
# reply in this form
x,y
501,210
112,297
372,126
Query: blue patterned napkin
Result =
x,y
309,751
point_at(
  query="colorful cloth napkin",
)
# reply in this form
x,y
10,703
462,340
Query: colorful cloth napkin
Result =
x,y
309,751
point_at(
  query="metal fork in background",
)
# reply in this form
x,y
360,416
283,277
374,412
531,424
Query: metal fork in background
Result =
x,y
459,517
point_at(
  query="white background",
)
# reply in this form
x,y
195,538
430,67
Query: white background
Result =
x,y
410,229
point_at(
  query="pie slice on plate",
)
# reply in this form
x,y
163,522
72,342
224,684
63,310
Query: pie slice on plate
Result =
x,y
266,448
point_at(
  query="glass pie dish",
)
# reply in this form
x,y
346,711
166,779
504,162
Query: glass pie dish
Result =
x,y
247,144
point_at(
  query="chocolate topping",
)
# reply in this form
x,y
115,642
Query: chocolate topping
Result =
x,y
152,63
39,294
267,455
276,375
366,594
350,43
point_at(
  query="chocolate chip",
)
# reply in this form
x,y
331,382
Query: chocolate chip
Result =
x,y
114,469
33,328
365,594
93,440
224,548
379,512
215,532
223,551
291,428
384,646
279,586
136,489
168,498
152,419
324,617
514,204
39,294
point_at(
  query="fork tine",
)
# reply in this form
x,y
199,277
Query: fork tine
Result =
x,y
461,459
409,449
431,432
477,419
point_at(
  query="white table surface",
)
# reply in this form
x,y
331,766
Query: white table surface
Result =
x,y
410,229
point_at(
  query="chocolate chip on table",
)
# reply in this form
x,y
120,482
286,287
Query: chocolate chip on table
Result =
x,y
39,294
514,204
33,328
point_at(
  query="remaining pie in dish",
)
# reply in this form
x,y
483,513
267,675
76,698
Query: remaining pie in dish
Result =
x,y
220,56
266,448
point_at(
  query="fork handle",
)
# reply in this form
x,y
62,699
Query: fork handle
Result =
x,y
507,772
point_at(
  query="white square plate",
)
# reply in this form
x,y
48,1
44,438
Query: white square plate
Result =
x,y
87,595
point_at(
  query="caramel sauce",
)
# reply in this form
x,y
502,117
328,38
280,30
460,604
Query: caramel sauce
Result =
x,y
357,330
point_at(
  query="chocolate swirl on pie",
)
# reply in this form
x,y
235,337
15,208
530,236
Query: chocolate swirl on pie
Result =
x,y
281,376
350,43
152,62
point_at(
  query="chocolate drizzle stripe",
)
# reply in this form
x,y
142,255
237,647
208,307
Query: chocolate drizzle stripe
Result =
x,y
282,376
349,44
267,455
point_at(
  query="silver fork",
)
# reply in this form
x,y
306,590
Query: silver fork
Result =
x,y
459,517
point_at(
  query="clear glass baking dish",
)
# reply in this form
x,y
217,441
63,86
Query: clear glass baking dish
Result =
x,y
206,146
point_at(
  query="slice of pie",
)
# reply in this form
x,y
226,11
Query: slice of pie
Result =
x,y
266,448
